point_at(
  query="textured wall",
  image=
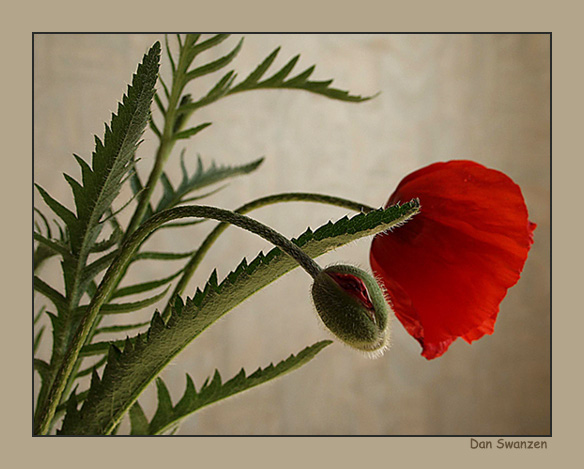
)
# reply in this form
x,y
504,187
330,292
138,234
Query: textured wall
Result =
x,y
480,97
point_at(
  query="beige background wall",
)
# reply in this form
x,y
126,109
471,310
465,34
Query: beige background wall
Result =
x,y
481,97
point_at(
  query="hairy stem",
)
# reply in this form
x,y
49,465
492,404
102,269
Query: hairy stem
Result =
x,y
196,259
117,268
167,141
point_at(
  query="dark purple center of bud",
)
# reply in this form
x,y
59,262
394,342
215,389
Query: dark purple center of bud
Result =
x,y
355,287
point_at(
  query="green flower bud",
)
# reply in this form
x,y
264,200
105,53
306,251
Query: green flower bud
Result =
x,y
353,307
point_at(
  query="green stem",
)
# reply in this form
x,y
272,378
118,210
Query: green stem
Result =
x,y
111,277
167,141
196,259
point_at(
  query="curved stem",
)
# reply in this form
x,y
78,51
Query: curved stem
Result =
x,y
116,269
196,259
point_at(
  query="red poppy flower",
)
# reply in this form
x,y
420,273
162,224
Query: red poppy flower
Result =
x,y
447,270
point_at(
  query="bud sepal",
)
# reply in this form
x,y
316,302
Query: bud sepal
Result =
x,y
351,304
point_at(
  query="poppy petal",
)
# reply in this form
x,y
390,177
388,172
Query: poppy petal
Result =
x,y
448,269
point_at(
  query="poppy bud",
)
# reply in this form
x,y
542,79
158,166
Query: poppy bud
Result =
x,y
353,307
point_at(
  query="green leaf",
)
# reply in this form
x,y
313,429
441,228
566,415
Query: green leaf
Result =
x,y
40,255
45,222
120,328
138,420
53,245
63,407
121,308
100,348
127,373
111,161
61,211
300,81
167,416
159,104
111,215
137,187
154,127
215,65
164,409
146,286
180,224
37,339
220,89
42,368
38,315
254,76
114,238
89,369
49,292
277,81
192,131
97,266
47,247
181,118
202,177
163,256
193,49
170,58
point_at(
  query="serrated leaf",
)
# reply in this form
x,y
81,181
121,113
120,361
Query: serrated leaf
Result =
x,y
167,416
277,81
202,177
219,90
125,377
164,409
192,49
90,369
114,238
112,215
215,65
99,348
93,196
63,407
100,184
254,76
72,412
111,160
138,420
300,81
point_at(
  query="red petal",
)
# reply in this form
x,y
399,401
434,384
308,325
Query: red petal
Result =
x,y
353,286
448,269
